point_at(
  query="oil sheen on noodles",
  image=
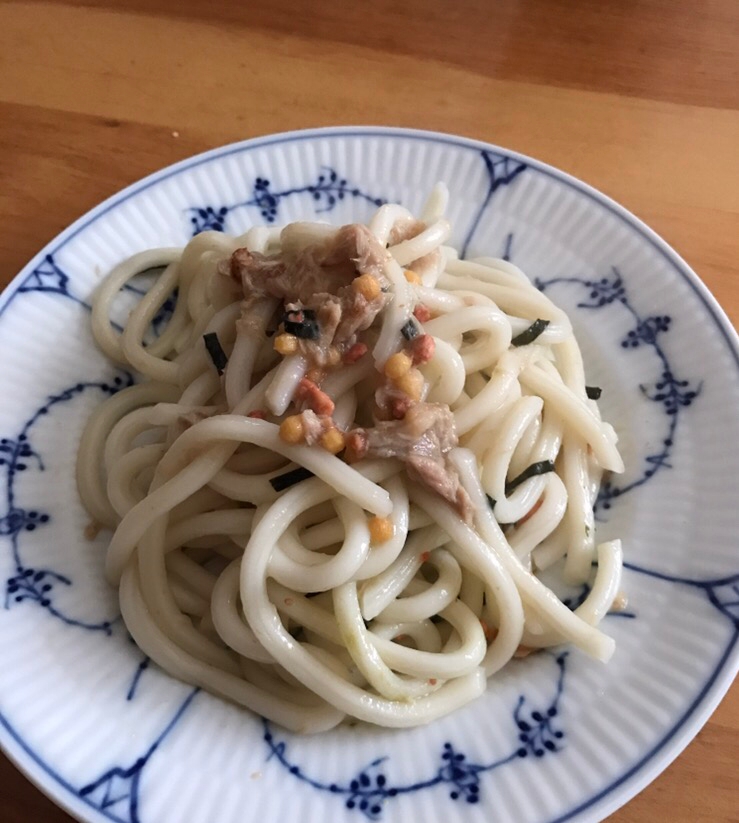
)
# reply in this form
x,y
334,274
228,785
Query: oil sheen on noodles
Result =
x,y
374,584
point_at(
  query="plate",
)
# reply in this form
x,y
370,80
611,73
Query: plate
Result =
x,y
556,737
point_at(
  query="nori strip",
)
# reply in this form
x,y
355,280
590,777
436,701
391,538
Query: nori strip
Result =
x,y
215,350
529,335
285,481
542,467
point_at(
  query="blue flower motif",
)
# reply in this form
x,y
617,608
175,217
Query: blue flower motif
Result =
x,y
601,292
17,520
671,392
37,586
208,219
15,453
368,790
646,331
605,291
537,734
31,584
264,199
328,189
461,775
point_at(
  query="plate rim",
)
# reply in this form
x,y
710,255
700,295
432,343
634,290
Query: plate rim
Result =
x,y
673,743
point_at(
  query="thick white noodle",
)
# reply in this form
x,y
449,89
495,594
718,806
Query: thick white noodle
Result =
x,y
278,600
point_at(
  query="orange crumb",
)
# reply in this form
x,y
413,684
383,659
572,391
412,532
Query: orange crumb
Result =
x,y
489,631
381,529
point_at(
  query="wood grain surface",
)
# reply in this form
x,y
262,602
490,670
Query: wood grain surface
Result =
x,y
639,98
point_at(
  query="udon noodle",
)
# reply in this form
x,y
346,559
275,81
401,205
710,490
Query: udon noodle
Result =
x,y
348,458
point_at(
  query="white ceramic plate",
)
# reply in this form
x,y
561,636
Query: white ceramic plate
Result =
x,y
555,738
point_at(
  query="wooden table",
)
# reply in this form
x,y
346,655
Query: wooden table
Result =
x,y
639,98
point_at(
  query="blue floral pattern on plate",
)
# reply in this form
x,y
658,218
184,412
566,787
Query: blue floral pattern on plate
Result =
x,y
371,789
328,189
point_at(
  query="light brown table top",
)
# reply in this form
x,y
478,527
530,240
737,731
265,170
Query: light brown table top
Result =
x,y
638,98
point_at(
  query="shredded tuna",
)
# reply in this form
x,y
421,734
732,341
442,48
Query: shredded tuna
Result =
x,y
427,264
316,274
406,229
422,439
328,314
302,271
193,416
390,401
314,426
196,414
358,313
340,254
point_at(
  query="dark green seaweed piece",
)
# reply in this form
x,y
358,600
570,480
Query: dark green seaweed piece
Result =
x,y
542,467
284,481
529,335
302,323
410,330
215,350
